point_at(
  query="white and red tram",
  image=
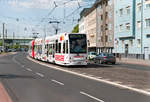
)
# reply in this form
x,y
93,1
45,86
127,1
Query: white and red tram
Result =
x,y
63,49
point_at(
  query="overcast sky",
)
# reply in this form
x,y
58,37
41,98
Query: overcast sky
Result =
x,y
23,17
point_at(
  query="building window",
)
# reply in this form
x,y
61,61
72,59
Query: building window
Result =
x,y
106,27
106,3
139,7
101,27
138,42
121,27
131,42
109,2
121,12
148,5
106,15
101,38
147,23
128,10
101,17
148,35
127,26
110,38
106,38
147,2
110,15
109,26
122,43
138,24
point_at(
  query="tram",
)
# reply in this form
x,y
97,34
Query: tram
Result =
x,y
64,49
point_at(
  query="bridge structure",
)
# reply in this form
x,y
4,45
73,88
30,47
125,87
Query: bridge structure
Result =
x,y
21,41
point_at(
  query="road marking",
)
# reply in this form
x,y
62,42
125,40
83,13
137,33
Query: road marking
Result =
x,y
15,60
119,82
92,78
41,75
97,99
84,73
28,69
99,77
57,82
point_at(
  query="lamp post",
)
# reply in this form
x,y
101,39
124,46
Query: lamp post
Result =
x,y
3,37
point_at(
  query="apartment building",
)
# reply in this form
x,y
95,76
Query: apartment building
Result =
x,y
105,25
132,28
98,23
87,24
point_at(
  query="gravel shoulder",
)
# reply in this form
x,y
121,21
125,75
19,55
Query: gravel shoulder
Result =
x,y
130,77
134,78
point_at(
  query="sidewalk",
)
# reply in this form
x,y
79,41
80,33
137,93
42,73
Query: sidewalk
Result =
x,y
4,97
134,61
9,53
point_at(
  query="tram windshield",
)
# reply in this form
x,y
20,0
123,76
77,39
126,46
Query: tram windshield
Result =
x,y
78,43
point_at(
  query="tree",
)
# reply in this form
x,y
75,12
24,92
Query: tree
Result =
x,y
16,46
76,29
1,44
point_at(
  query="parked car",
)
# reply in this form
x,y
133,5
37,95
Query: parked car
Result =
x,y
9,50
104,58
91,55
1,50
14,50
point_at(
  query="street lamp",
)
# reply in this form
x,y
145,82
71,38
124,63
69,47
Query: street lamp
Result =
x,y
35,35
57,22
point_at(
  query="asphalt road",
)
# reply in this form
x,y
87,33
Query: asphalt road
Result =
x,y
27,81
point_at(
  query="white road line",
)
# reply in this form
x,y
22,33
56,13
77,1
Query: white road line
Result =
x,y
57,82
92,78
28,69
99,77
41,75
97,99
15,60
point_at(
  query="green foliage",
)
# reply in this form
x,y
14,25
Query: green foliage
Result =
x,y
16,46
76,29
1,43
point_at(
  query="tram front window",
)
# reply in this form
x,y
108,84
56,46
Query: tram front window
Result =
x,y
78,43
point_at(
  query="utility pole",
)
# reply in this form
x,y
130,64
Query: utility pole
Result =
x,y
6,33
13,38
3,37
56,29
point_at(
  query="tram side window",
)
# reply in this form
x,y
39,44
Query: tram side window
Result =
x,y
66,46
38,48
56,46
47,49
40,51
53,48
50,49
59,47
